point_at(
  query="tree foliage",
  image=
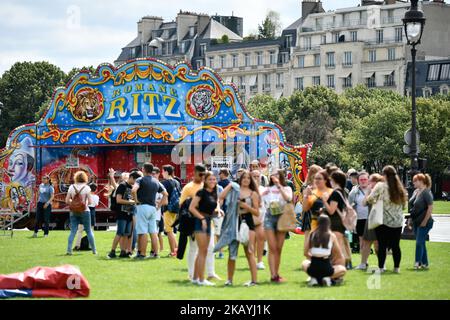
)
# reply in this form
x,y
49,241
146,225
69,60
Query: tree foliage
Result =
x,y
270,28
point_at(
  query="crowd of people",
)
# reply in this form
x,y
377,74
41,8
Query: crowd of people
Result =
x,y
213,213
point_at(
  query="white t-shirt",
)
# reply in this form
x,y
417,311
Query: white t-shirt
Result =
x,y
95,200
274,194
159,197
85,193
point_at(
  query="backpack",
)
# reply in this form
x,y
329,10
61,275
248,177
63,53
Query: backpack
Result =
x,y
77,206
84,245
348,215
174,199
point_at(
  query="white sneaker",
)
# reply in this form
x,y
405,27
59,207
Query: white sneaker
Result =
x,y
362,266
250,284
312,282
35,235
260,266
228,283
206,283
45,235
396,270
194,281
326,281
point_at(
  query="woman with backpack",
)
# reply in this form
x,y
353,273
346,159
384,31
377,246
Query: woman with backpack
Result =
x,y
78,198
333,203
321,245
394,197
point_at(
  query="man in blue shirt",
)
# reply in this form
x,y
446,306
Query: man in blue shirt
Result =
x,y
44,205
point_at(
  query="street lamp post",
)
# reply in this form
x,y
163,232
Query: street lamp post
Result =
x,y
413,22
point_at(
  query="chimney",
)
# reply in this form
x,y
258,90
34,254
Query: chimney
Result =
x,y
311,6
147,24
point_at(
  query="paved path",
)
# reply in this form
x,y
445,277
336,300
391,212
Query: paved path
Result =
x,y
441,228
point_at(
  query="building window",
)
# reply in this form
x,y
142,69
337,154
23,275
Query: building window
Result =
x,y
317,59
379,36
202,49
444,90
371,83
284,57
316,80
330,59
307,43
389,80
235,60
398,34
288,41
199,64
336,37
266,84
372,55
426,92
299,83
348,81
259,58
433,72
211,62
247,59
222,62
323,39
279,80
354,36
391,54
273,57
348,58
301,61
330,81
445,72
241,83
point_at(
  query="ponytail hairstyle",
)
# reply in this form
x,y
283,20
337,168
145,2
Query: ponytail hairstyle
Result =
x,y
397,192
425,178
321,236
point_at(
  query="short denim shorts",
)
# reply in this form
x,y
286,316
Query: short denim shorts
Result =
x,y
270,221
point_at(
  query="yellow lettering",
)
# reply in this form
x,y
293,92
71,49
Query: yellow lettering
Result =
x,y
171,105
162,89
136,105
128,89
151,87
118,105
139,87
116,93
153,99
173,92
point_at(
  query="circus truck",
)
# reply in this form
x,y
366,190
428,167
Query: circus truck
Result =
x,y
121,117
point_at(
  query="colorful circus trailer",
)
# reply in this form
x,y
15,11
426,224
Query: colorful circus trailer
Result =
x,y
120,118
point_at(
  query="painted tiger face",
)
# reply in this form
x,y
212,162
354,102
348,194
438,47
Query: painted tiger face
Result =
x,y
201,101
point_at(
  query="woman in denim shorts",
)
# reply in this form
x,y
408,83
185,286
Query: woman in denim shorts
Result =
x,y
275,196
204,207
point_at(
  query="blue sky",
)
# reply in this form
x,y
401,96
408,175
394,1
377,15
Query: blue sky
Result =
x,y
78,33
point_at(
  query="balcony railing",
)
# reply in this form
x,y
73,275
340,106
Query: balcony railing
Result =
x,y
389,83
280,86
330,65
347,64
266,87
254,89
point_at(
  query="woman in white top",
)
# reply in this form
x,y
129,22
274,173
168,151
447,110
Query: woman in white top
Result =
x,y
394,198
80,188
259,229
275,197
95,200
320,246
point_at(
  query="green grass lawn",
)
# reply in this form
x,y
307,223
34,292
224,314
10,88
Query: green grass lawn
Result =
x,y
441,207
166,278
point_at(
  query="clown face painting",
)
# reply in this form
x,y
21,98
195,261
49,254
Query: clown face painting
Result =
x,y
21,164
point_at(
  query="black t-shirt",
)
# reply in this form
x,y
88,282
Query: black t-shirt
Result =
x,y
336,221
208,201
148,188
124,212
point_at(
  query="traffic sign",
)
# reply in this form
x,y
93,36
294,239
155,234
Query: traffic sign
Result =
x,y
407,149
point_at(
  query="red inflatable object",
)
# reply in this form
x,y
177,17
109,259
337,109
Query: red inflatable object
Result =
x,y
62,282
